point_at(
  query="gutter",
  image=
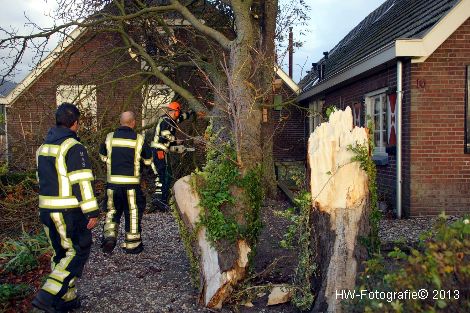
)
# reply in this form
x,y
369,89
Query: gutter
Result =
x,y
370,61
398,134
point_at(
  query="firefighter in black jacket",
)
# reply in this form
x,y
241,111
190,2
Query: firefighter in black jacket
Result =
x,y
122,152
164,139
67,208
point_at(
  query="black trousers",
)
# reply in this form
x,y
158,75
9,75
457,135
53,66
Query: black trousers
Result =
x,y
163,179
131,202
71,241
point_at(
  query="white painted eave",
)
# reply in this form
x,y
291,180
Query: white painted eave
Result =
x,y
416,49
44,65
421,49
286,79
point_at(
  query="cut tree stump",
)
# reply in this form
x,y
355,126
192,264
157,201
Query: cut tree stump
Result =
x,y
219,271
340,195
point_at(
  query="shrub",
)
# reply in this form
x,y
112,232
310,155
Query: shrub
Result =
x,y
21,254
10,292
440,274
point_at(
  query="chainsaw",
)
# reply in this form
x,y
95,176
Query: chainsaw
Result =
x,y
181,149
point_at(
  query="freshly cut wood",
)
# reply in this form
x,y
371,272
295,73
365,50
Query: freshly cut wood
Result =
x,y
216,280
340,195
279,295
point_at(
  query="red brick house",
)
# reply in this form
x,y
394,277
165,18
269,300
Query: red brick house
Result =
x,y
409,61
70,73
88,69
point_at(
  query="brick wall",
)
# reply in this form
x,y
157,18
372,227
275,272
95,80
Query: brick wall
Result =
x,y
435,169
290,134
439,167
354,92
90,61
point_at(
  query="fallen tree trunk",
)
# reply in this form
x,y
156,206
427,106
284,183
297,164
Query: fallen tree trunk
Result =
x,y
340,197
220,269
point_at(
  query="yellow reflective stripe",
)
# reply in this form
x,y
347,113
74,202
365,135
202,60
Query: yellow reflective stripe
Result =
x,y
131,245
166,133
65,188
133,216
109,151
65,242
70,295
111,208
52,286
48,150
138,151
130,236
76,176
157,132
89,206
46,202
59,275
87,190
159,146
117,179
37,161
61,227
126,143
110,226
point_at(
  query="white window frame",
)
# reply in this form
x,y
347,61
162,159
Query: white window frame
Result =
x,y
83,96
156,101
315,114
380,148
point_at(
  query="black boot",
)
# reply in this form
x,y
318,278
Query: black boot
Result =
x,y
70,305
44,301
108,244
136,250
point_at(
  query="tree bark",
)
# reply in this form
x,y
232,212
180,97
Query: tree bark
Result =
x,y
268,32
219,271
340,197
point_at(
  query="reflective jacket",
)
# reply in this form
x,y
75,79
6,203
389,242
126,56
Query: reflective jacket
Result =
x,y
122,152
64,173
165,131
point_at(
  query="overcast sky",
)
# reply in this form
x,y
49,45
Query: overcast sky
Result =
x,y
330,21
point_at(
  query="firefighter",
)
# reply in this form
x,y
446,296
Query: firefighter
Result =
x,y
164,139
67,208
122,151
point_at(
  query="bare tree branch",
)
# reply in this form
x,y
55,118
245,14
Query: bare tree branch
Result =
x,y
209,31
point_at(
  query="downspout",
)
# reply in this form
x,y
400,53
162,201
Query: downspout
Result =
x,y
398,134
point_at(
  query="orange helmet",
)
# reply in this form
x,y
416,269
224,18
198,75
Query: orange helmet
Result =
x,y
174,106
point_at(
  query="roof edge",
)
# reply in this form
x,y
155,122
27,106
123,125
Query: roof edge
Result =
x,y
287,79
50,60
421,49
369,62
416,49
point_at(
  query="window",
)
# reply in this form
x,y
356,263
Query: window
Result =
x,y
315,114
377,111
3,115
84,97
467,112
155,97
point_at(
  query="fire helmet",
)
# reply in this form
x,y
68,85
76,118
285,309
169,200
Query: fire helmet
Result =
x,y
174,106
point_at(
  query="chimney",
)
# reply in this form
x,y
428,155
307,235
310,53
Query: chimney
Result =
x,y
291,51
